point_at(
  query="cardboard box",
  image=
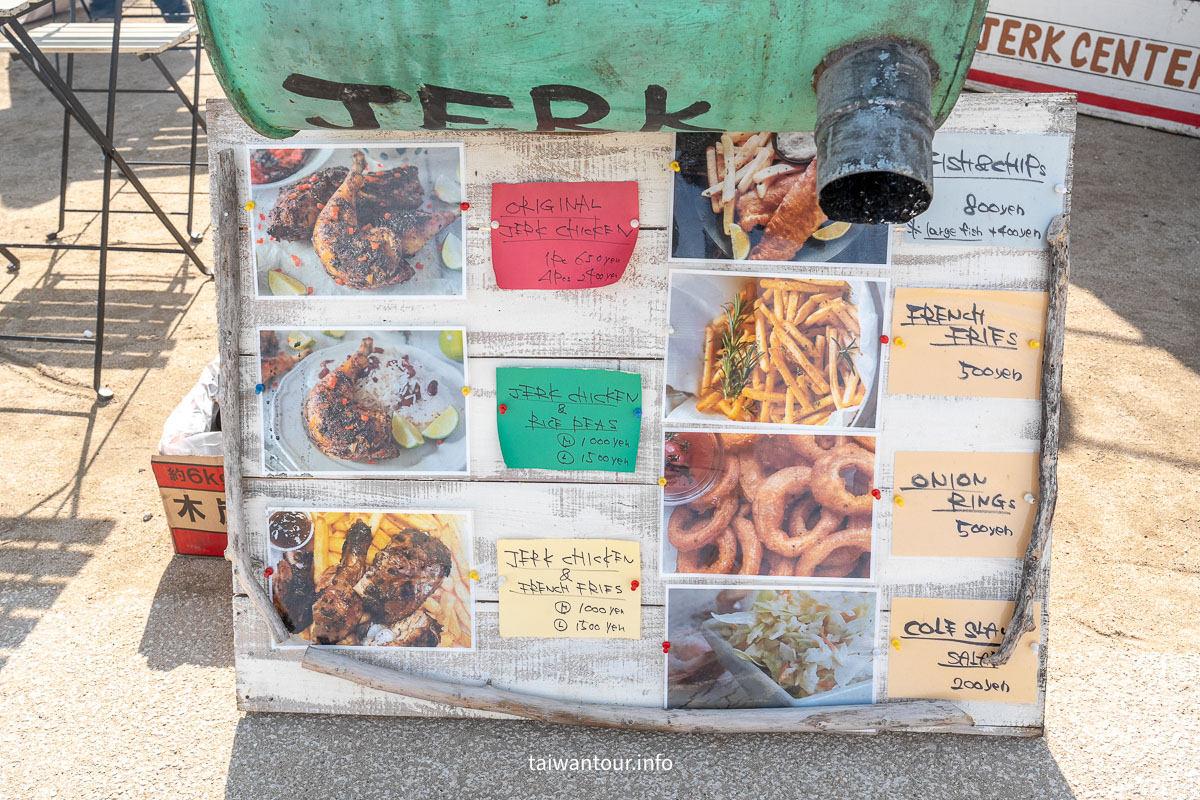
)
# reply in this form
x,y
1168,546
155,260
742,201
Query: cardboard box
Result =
x,y
193,494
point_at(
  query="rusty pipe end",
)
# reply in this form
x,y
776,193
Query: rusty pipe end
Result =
x,y
875,134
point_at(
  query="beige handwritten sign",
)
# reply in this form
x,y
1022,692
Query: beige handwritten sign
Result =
x,y
967,342
937,646
963,504
570,588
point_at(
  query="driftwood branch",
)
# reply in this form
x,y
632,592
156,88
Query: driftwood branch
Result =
x,y
1022,622
840,719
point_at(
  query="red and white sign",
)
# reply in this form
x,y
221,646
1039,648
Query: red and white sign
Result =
x,y
1129,60
193,494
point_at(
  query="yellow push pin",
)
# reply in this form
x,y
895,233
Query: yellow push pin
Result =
x,y
899,342
249,205
466,390
896,643
1034,343
674,166
898,500
473,575
662,481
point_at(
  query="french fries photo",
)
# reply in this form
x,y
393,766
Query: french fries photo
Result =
x,y
372,578
780,350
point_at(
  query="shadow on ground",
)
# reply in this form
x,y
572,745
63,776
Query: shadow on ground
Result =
x,y
462,758
1114,225
36,563
191,617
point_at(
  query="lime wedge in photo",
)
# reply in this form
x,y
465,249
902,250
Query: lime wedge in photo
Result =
x,y
451,343
405,433
833,230
740,241
447,190
284,285
334,334
452,252
298,340
444,425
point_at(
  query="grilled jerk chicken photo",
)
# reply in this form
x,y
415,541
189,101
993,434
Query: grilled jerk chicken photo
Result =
x,y
354,252
338,607
295,588
404,575
342,427
295,212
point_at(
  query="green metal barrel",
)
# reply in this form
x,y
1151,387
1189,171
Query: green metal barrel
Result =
x,y
567,65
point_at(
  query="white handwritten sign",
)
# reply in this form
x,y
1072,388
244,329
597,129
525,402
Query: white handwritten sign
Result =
x,y
993,189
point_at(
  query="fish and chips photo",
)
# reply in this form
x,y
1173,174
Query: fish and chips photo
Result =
x,y
380,219
373,578
783,505
753,197
773,349
770,648
363,400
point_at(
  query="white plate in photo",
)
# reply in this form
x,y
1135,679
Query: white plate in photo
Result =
x,y
288,448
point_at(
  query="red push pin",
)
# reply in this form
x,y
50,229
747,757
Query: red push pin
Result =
x,y
503,409
883,339
268,572
634,585
876,494
464,205
666,647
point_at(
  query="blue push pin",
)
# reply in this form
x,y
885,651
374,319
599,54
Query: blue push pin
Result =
x,y
637,412
258,389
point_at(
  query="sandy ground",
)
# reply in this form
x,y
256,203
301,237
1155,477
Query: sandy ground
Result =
x,y
116,663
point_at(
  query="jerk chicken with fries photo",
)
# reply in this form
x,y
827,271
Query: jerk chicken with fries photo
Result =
x,y
375,579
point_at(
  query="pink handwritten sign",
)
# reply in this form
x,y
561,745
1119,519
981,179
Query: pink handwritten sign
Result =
x,y
562,235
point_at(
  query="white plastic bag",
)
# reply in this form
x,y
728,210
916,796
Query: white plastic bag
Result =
x,y
188,430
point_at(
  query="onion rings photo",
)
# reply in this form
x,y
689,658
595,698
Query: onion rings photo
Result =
x,y
782,505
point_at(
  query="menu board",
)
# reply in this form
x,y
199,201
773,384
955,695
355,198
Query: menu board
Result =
x,y
626,420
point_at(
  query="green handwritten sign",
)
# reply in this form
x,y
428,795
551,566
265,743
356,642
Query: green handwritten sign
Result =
x,y
569,419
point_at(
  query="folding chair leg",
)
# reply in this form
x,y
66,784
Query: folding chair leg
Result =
x,y
66,150
103,393
14,263
196,237
183,98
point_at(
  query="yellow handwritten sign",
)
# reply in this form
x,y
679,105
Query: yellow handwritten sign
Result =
x,y
963,504
967,342
570,588
936,648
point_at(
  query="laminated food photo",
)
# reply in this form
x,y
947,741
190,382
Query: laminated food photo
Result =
x,y
380,219
770,648
747,505
364,401
373,578
760,349
764,208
